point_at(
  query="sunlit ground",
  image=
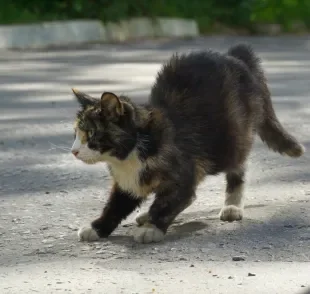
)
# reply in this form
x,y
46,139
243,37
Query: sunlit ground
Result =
x,y
45,193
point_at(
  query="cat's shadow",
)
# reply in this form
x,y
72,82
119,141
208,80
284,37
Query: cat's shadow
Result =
x,y
183,227
178,230
188,227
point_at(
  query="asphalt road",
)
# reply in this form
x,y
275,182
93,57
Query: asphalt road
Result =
x,y
45,194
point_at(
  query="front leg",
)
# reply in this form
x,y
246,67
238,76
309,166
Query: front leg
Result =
x,y
118,207
165,208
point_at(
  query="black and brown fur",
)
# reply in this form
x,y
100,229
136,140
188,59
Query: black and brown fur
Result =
x,y
203,113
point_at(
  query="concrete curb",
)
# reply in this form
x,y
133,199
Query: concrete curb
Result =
x,y
50,33
82,31
137,28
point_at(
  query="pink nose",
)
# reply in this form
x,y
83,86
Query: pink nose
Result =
x,y
75,153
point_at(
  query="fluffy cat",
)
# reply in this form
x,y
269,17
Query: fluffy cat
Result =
x,y
202,115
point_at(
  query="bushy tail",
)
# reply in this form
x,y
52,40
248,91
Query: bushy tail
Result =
x,y
270,130
278,139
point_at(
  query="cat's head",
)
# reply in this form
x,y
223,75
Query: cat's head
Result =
x,y
104,128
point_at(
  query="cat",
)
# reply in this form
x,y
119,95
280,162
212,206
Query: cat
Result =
x,y
201,118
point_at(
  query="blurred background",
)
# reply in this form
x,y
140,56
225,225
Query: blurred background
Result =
x,y
211,15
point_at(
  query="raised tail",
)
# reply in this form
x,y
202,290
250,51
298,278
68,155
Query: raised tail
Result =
x,y
270,130
245,53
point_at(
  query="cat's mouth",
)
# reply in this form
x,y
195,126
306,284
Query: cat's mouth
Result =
x,y
88,161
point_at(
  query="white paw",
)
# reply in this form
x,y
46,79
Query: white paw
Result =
x,y
88,234
148,233
231,213
142,218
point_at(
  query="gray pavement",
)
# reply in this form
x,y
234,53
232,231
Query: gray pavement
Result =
x,y
45,195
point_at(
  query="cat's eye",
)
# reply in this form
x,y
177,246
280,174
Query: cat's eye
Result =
x,y
90,133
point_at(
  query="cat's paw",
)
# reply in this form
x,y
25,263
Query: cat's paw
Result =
x,y
231,213
142,218
88,234
148,233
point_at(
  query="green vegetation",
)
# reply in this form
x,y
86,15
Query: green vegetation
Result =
x,y
232,13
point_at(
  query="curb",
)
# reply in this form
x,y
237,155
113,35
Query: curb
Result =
x,y
50,33
82,31
137,28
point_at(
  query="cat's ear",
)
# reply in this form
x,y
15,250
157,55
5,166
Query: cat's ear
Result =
x,y
84,99
111,106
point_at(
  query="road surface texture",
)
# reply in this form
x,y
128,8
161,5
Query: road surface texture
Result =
x,y
46,195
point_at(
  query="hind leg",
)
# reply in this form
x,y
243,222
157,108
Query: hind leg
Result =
x,y
144,217
168,204
233,205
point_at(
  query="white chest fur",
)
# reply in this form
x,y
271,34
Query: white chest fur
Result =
x,y
126,174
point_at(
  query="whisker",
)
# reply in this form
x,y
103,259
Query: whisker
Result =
x,y
65,148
